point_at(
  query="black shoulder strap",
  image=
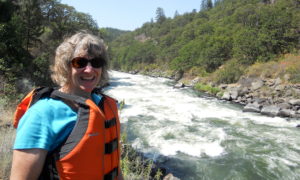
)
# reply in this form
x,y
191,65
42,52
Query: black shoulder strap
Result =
x,y
40,93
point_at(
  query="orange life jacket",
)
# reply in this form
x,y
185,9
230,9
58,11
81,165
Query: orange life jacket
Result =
x,y
92,150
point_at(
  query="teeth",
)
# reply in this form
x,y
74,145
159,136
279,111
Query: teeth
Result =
x,y
87,78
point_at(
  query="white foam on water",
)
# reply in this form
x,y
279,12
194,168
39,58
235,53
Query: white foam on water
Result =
x,y
174,113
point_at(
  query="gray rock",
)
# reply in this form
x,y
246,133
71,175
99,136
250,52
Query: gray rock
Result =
x,y
257,84
243,91
270,82
252,107
284,105
294,102
226,96
133,72
280,88
179,85
286,113
170,177
234,94
271,110
277,81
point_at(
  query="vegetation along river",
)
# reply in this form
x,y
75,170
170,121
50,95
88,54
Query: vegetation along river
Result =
x,y
200,137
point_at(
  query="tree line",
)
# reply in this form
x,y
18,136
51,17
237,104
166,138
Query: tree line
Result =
x,y
228,34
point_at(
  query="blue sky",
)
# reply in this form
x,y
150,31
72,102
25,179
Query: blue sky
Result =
x,y
130,14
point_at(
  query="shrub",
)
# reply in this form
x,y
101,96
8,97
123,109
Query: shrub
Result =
x,y
207,88
229,73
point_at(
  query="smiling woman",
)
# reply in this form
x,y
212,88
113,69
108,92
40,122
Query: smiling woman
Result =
x,y
70,132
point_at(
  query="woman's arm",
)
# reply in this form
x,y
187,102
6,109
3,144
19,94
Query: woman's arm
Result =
x,y
27,164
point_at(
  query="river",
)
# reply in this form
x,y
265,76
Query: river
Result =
x,y
199,137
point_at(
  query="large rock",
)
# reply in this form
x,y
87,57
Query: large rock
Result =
x,y
256,84
271,110
294,102
277,81
284,105
179,85
234,93
280,88
170,177
226,96
286,113
252,107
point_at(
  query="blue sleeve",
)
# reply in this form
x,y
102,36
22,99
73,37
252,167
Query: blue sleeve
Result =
x,y
45,125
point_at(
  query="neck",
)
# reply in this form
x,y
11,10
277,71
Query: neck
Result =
x,y
76,92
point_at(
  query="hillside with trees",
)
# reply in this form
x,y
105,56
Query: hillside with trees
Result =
x,y
221,41
30,31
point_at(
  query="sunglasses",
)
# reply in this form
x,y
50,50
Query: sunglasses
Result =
x,y
81,62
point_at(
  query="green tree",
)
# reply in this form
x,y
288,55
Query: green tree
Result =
x,y
160,15
32,20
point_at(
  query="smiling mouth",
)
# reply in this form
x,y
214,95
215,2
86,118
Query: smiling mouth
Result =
x,y
87,78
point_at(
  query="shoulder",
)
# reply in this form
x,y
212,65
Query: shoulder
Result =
x,y
48,105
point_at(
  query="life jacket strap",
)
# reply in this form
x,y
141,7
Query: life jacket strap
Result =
x,y
111,146
41,93
110,123
112,174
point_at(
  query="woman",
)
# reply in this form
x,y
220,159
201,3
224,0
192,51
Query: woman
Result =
x,y
70,132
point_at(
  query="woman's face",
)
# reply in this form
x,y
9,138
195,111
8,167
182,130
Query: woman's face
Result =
x,y
85,79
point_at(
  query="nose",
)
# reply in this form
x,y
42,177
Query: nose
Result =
x,y
88,68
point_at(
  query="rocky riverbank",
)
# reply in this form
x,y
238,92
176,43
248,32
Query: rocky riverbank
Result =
x,y
271,97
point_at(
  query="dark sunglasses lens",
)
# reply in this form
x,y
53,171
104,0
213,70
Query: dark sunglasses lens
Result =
x,y
79,62
97,62
82,62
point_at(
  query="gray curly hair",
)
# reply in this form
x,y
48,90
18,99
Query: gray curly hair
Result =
x,y
81,42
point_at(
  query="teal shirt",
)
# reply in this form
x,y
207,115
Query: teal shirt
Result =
x,y
46,124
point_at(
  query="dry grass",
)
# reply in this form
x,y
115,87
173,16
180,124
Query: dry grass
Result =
x,y
288,64
7,136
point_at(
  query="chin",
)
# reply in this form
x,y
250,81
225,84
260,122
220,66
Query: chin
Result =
x,y
86,90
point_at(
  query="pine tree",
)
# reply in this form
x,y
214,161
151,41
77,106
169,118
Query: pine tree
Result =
x,y
160,15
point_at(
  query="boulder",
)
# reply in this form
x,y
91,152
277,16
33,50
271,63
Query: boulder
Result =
x,y
133,72
294,102
243,91
284,105
286,113
170,177
226,96
277,81
270,110
280,88
234,94
179,85
252,107
255,85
